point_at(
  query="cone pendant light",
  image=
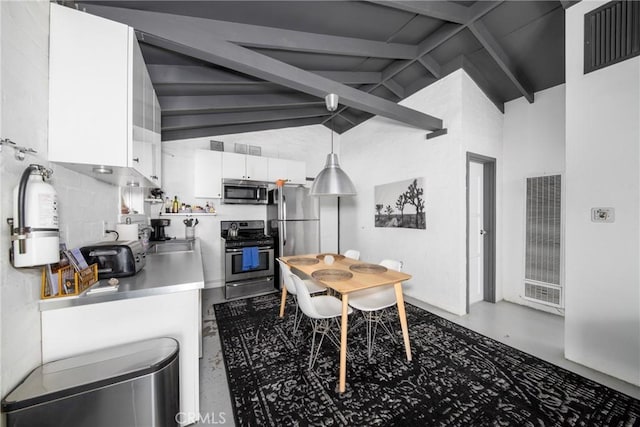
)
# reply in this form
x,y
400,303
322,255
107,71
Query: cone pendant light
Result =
x,y
332,180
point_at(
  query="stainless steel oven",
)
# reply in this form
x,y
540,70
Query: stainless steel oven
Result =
x,y
233,270
247,279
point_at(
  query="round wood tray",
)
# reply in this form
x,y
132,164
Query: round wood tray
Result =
x,y
304,261
336,257
368,268
331,275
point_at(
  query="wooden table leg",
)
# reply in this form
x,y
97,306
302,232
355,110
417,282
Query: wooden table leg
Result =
x,y
283,301
403,318
343,343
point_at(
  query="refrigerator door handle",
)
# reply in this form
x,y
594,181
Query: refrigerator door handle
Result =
x,y
284,218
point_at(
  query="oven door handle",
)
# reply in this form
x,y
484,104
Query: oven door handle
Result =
x,y
240,250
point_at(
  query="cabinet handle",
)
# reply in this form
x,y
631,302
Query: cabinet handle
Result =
x,y
136,159
154,177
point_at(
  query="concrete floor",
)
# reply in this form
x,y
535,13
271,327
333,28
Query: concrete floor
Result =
x,y
532,331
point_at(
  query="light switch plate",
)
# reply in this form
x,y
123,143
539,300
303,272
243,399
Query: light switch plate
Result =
x,y
603,214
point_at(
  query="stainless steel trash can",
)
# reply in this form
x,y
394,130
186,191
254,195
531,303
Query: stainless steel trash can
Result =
x,y
129,385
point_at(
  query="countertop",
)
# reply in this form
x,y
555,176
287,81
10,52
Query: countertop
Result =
x,y
163,273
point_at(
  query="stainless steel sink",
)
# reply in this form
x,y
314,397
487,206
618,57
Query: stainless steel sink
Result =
x,y
171,246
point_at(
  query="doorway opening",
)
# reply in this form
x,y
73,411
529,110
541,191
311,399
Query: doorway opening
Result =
x,y
481,226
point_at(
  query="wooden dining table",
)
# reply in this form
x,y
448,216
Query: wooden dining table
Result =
x,y
346,275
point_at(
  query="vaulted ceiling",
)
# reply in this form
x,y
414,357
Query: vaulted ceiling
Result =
x,y
224,67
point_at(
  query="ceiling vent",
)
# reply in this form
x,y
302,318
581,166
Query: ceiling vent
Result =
x,y
611,34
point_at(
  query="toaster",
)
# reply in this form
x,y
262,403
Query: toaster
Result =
x,y
115,259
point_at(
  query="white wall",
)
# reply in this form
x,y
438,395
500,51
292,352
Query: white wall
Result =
x,y
380,151
83,202
602,320
309,143
534,145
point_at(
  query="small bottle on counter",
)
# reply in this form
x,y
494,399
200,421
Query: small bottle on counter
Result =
x,y
167,205
175,207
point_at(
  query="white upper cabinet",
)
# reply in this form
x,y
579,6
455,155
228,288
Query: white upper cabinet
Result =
x,y
101,101
257,168
243,166
208,174
295,172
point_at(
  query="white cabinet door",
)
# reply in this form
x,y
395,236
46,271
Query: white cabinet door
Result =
x,y
208,174
257,168
101,110
291,170
156,175
140,157
88,89
296,172
277,169
233,165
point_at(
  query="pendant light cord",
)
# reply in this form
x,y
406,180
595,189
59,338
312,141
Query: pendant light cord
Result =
x,y
331,120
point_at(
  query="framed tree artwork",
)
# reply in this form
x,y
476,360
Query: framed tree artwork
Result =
x,y
400,204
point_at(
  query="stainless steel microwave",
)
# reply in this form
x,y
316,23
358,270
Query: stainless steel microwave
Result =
x,y
244,192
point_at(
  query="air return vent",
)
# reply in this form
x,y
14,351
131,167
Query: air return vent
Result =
x,y
543,293
543,252
611,34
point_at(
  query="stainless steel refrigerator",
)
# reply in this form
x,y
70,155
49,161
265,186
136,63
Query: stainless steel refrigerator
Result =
x,y
293,219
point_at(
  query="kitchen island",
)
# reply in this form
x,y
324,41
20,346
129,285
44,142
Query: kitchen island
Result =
x,y
162,300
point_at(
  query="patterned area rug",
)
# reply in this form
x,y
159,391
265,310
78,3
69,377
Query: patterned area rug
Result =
x,y
457,377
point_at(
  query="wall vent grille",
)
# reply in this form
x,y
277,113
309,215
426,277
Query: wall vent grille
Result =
x,y
542,293
543,227
611,34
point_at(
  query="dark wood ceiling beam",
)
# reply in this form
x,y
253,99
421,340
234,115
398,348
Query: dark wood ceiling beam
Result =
x,y
232,129
220,119
350,77
162,74
181,34
200,104
443,34
446,11
498,54
261,66
431,65
395,88
347,119
276,38
185,74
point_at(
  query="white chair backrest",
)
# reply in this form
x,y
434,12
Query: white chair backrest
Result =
x,y
285,273
304,298
392,264
353,254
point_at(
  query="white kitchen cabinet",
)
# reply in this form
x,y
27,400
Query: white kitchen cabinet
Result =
x,y
295,172
243,166
100,107
156,170
208,174
257,168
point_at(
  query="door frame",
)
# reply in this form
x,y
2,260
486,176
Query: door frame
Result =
x,y
489,225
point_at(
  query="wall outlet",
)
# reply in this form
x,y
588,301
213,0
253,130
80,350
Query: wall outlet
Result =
x,y
603,214
105,227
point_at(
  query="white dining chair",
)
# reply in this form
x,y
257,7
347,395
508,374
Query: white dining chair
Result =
x,y
320,309
373,303
311,286
353,254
